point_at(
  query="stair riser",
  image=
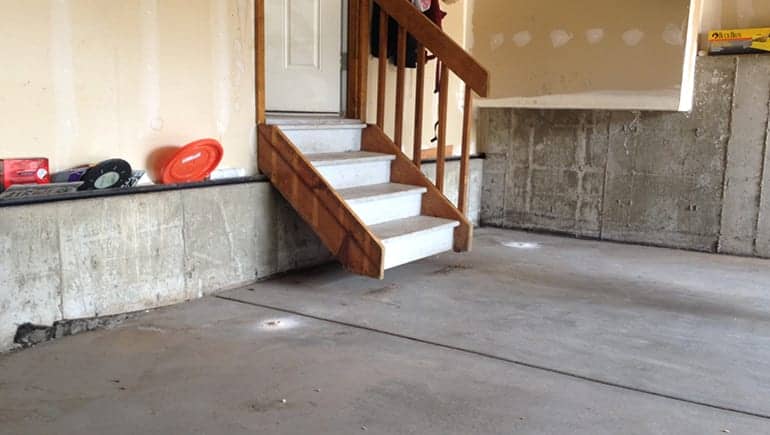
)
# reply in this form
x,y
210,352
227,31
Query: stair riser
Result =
x,y
326,140
373,212
356,174
416,246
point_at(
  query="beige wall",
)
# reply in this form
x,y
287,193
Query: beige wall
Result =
x,y
732,14
582,54
86,80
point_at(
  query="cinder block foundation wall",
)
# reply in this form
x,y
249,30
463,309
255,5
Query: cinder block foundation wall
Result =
x,y
113,255
686,180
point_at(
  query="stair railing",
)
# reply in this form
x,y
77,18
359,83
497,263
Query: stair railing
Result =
x,y
452,57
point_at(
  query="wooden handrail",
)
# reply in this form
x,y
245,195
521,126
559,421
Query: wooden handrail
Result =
x,y
438,43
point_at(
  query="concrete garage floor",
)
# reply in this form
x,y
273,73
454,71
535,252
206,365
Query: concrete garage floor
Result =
x,y
529,334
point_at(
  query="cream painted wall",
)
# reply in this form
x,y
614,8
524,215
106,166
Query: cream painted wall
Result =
x,y
732,14
589,54
87,80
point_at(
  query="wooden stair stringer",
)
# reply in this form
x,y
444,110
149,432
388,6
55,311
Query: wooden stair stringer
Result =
x,y
319,204
404,171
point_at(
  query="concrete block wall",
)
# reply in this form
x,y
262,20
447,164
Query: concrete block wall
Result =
x,y
105,256
686,180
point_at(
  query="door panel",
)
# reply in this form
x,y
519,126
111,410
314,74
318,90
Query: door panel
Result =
x,y
302,54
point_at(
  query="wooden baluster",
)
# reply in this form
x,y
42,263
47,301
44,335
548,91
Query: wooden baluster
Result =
x,y
462,204
398,134
259,49
443,98
382,77
359,16
418,103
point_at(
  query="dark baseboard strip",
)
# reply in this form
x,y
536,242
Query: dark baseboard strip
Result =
x,y
131,191
481,156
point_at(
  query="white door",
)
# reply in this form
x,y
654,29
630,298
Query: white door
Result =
x,y
303,45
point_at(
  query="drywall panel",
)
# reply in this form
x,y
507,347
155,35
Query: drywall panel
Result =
x,y
86,80
590,54
732,14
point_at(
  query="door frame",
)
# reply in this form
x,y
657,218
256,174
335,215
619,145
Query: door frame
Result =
x,y
357,59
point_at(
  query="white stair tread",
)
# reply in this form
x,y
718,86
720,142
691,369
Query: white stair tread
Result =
x,y
310,123
405,227
379,191
344,158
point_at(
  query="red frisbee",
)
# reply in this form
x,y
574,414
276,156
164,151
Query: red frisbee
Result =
x,y
192,162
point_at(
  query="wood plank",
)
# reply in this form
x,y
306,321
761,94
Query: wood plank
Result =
x,y
435,40
259,58
419,99
443,103
398,135
404,171
354,245
462,202
358,58
382,75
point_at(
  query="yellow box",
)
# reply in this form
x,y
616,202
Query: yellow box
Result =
x,y
739,41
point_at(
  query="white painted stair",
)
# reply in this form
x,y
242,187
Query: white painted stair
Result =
x,y
392,211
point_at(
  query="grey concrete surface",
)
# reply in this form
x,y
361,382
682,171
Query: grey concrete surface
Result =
x,y
456,344
674,322
686,180
30,272
746,156
106,256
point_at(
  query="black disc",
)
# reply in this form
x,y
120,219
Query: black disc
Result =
x,y
108,174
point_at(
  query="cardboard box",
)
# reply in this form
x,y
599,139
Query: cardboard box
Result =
x,y
739,41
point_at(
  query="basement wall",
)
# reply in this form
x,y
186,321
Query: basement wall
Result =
x,y
112,255
735,14
684,180
87,80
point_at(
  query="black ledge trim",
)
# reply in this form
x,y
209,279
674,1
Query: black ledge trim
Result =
x,y
456,158
131,191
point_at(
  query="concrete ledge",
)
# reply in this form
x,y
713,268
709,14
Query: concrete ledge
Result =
x,y
106,256
111,255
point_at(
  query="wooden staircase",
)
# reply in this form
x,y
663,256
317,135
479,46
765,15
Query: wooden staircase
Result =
x,y
368,202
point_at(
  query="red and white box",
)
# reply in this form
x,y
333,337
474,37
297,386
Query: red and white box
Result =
x,y
24,171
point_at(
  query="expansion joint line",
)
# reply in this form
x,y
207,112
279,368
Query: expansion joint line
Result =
x,y
519,363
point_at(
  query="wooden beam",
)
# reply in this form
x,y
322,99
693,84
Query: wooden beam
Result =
x,y
341,231
382,75
418,106
358,58
398,135
443,105
259,59
462,203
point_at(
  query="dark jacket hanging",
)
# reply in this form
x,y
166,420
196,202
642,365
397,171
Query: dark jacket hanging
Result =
x,y
434,13
411,43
